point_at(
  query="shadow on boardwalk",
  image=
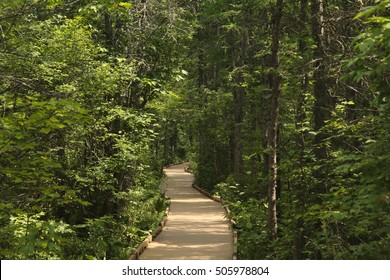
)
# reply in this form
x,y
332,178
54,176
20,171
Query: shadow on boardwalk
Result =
x,y
196,229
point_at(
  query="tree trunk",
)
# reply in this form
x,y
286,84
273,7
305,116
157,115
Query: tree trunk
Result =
x,y
108,30
201,82
321,106
238,100
299,240
237,44
275,86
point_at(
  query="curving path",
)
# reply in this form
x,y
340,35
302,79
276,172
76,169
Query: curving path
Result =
x,y
196,228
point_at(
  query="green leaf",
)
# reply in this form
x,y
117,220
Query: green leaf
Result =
x,y
126,5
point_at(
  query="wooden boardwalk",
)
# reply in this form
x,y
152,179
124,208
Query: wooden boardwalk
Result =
x,y
196,228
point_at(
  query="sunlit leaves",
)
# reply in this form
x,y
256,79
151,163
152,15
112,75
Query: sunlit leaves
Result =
x,y
70,141
126,5
373,47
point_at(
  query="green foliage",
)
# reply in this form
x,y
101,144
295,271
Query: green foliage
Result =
x,y
373,48
78,147
330,207
31,236
97,97
246,211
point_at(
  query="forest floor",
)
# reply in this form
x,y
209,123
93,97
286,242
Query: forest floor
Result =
x,y
196,228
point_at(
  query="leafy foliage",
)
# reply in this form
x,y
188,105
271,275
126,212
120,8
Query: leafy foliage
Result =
x,y
77,144
97,97
332,193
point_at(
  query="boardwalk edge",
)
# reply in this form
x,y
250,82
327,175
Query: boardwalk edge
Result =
x,y
232,222
137,252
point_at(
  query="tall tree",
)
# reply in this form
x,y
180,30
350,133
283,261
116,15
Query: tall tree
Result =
x,y
275,86
301,117
321,109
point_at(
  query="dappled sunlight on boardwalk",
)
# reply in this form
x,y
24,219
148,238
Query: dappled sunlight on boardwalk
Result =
x,y
196,229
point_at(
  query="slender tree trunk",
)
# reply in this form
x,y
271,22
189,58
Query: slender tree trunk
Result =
x,y
299,120
238,100
108,30
238,119
237,46
201,82
275,86
321,106
166,146
302,50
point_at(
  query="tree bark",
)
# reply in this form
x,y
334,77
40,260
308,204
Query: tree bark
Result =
x,y
321,106
238,100
275,86
108,30
299,240
237,41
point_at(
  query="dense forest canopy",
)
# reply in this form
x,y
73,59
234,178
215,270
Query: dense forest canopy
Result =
x,y
282,107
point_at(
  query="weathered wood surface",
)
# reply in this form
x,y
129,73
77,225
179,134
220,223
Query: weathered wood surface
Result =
x,y
197,228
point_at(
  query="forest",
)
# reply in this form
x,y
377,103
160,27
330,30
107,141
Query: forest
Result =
x,y
282,108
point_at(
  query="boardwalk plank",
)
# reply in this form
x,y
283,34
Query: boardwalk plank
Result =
x,y
196,228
